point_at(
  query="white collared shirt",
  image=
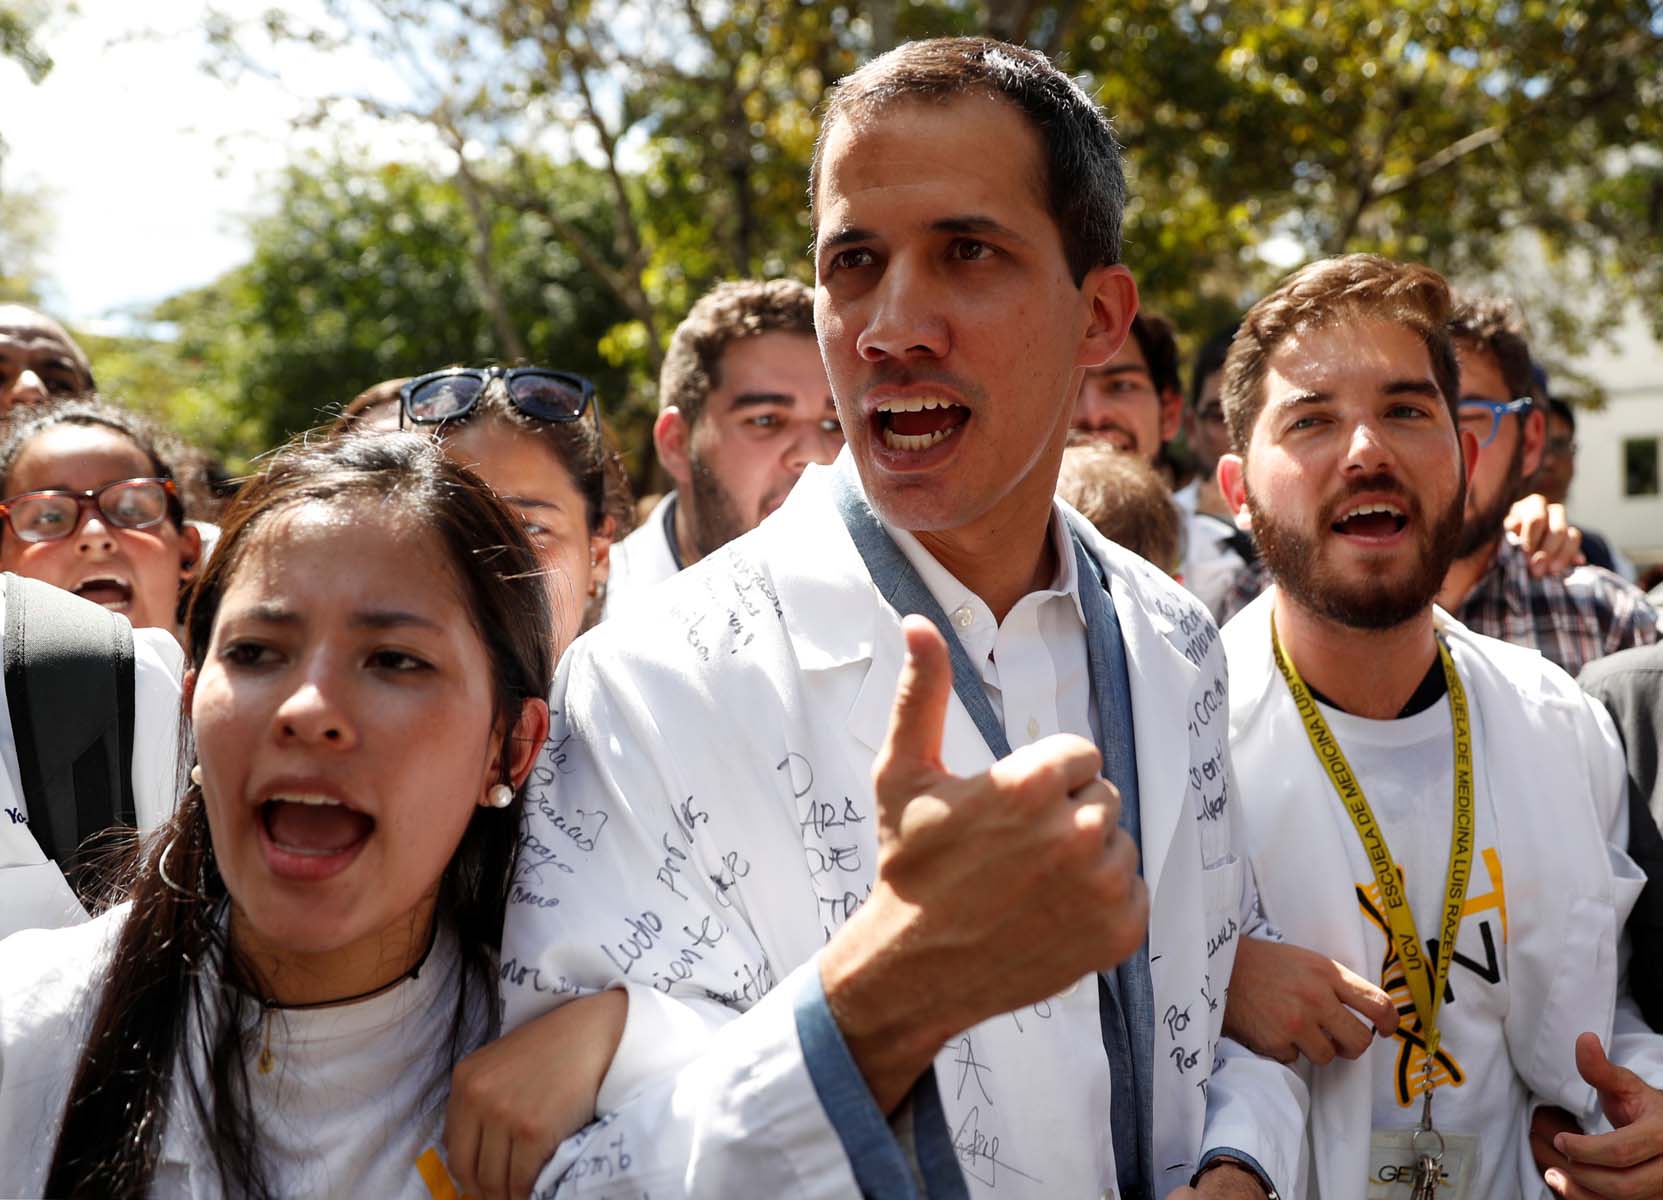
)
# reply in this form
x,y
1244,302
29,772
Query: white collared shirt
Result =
x,y
1034,665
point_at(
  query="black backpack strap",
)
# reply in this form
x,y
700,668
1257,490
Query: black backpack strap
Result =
x,y
69,689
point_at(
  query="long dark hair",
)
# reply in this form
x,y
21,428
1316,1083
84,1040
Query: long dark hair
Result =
x,y
173,976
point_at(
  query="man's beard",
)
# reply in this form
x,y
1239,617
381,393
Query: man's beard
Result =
x,y
1484,526
715,519
1365,601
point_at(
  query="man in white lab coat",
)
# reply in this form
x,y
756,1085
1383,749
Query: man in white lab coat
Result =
x,y
880,918
743,407
1433,809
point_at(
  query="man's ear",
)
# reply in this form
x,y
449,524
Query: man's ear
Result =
x,y
1232,484
1172,413
671,434
1112,298
1469,452
1534,431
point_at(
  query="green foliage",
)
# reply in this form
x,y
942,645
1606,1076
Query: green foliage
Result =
x,y
363,274
25,228
1259,133
19,21
1426,129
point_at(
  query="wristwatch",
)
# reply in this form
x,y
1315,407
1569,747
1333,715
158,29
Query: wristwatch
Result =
x,y
1229,1160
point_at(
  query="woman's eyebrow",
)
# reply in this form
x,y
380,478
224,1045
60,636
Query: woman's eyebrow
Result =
x,y
389,618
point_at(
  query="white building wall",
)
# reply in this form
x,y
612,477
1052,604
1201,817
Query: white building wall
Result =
x,y
1631,370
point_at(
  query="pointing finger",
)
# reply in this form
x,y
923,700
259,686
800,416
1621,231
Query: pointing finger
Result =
x,y
912,746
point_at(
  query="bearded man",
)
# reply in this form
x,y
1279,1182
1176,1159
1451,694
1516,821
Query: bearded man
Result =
x,y
1432,809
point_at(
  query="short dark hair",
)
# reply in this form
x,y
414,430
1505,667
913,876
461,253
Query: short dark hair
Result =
x,y
1320,294
1494,324
1209,360
1563,410
729,312
1083,183
1158,342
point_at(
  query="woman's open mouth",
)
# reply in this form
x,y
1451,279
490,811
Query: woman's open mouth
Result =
x,y
311,836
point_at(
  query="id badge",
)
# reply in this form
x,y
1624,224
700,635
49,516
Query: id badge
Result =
x,y
1392,1165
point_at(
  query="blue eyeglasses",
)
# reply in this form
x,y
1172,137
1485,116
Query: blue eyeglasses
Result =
x,y
1482,418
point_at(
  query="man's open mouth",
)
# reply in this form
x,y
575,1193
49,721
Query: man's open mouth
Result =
x,y
913,423
1375,520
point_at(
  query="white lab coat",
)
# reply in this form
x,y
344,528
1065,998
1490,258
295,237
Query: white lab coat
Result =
x,y
33,891
1553,766
703,820
641,561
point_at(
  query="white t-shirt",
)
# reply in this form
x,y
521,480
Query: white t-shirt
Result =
x,y
1407,770
354,1104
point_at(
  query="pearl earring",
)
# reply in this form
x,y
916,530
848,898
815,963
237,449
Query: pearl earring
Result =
x,y
196,774
501,795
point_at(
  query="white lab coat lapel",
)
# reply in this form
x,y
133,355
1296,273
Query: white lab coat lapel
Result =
x,y
835,616
1162,680
1288,796
1560,888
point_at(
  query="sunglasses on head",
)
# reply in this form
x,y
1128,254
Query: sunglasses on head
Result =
x,y
538,392
46,516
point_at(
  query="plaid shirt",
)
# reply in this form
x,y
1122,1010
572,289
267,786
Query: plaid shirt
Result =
x,y
1245,585
1572,619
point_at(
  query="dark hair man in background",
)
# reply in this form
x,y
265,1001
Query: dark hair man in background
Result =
x,y
743,408
1553,480
38,359
1572,618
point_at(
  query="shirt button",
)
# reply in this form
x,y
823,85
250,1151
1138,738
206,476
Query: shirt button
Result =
x,y
962,616
1033,727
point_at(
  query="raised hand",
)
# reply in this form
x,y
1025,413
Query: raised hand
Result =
x,y
1628,1161
992,891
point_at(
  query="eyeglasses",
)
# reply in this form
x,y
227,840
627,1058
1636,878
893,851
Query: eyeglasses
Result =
x,y
127,504
536,391
1482,418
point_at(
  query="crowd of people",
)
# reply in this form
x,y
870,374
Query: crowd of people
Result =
x,y
991,771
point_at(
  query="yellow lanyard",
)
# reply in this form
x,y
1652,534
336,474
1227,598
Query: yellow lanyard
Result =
x,y
1426,980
